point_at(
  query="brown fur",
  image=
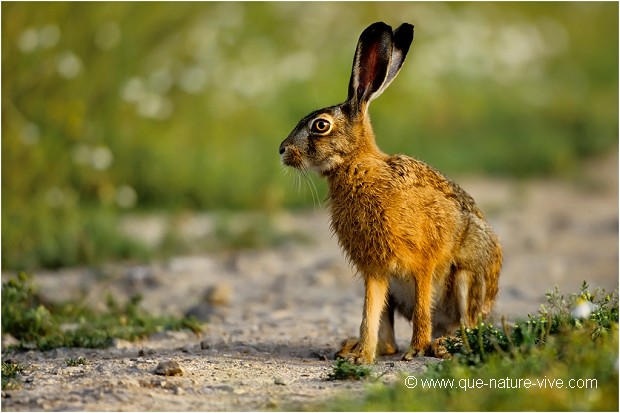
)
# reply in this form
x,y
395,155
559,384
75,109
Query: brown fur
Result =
x,y
419,241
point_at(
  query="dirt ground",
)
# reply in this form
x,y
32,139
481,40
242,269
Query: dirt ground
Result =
x,y
276,316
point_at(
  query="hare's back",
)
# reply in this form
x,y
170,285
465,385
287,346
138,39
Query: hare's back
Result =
x,y
413,174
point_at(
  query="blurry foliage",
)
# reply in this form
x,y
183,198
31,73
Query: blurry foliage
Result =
x,y
42,325
116,106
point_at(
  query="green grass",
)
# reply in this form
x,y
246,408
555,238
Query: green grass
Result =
x,y
343,370
44,326
116,107
80,361
64,237
568,363
9,375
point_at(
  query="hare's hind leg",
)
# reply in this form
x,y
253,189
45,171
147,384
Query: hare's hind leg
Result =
x,y
469,296
478,266
421,317
387,340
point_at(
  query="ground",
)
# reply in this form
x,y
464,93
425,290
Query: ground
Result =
x,y
276,316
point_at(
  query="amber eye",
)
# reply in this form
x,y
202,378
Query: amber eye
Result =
x,y
320,126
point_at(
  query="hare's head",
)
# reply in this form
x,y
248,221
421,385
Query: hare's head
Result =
x,y
326,138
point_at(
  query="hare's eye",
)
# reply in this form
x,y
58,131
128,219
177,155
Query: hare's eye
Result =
x,y
321,126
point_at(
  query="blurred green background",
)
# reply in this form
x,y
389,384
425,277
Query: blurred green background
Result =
x,y
111,109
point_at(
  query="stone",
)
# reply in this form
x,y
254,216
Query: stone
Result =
x,y
169,368
280,381
218,295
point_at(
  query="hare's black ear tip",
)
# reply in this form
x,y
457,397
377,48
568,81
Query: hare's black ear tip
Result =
x,y
406,27
378,26
404,34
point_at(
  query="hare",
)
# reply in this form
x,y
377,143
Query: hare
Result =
x,y
418,240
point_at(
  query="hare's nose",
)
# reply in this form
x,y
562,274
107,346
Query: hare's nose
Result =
x,y
282,148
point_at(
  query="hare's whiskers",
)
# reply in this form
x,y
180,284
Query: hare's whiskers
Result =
x,y
313,190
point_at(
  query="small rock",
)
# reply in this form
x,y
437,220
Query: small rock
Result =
x,y
179,391
243,349
272,404
219,294
146,352
280,381
186,349
205,345
8,341
317,355
204,312
169,368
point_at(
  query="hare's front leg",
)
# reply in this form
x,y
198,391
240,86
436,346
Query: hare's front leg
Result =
x,y
422,326
363,352
386,344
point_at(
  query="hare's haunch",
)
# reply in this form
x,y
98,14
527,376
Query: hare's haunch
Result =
x,y
419,241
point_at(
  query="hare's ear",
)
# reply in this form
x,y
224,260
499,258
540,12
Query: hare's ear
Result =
x,y
370,64
401,40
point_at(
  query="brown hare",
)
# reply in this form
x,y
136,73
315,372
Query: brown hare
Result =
x,y
418,240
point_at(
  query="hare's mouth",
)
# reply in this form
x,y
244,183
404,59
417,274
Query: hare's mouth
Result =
x,y
292,157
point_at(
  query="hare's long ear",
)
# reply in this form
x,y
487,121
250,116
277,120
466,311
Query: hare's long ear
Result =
x,y
370,64
402,38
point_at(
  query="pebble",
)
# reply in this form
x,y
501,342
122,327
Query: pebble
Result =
x,y
8,341
219,294
146,352
243,349
204,312
280,381
169,368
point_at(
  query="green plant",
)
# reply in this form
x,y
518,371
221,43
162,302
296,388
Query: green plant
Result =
x,y
562,359
343,370
596,312
37,323
71,362
9,374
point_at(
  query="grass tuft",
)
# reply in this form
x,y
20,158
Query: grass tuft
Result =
x,y
37,324
343,370
80,361
595,312
10,371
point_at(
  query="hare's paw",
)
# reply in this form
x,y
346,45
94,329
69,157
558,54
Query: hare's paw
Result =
x,y
413,352
351,351
386,349
348,347
438,349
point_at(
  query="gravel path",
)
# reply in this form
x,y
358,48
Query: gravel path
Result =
x,y
276,316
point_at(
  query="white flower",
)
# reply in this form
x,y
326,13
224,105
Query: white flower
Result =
x,y
583,309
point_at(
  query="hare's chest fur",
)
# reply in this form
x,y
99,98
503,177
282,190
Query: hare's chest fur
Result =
x,y
385,222
362,226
